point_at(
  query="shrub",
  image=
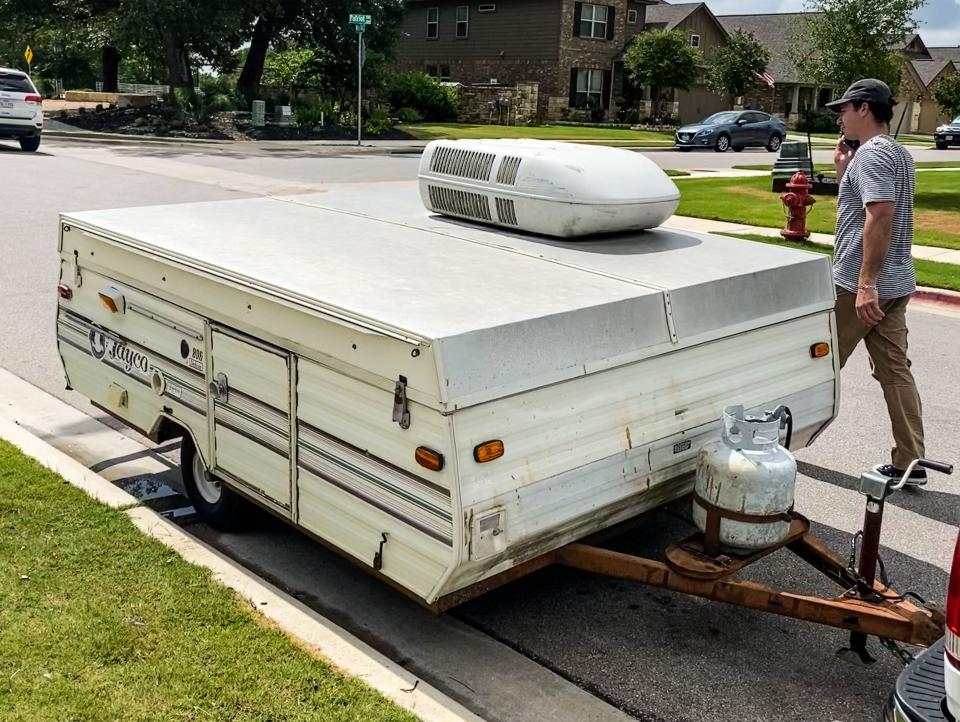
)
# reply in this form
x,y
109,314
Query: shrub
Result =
x,y
629,115
309,116
424,94
348,118
409,115
817,122
221,102
378,122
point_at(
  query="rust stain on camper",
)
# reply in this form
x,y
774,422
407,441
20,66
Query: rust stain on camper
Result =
x,y
629,440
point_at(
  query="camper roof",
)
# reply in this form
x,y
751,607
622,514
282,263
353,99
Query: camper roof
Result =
x,y
505,311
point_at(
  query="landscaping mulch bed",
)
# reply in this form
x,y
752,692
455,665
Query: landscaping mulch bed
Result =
x,y
222,126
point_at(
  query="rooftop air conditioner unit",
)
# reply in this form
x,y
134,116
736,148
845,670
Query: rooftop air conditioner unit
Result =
x,y
556,189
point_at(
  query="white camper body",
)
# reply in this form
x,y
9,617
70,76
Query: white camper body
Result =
x,y
308,345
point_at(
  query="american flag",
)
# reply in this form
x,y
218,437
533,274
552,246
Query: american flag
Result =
x,y
765,77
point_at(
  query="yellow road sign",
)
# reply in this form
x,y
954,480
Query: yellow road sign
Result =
x,y
28,55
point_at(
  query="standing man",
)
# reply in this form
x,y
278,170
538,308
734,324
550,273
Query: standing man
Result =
x,y
873,265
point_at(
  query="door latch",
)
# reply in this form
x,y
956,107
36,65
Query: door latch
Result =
x,y
401,413
219,388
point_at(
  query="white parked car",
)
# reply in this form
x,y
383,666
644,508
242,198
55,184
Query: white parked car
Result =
x,y
21,109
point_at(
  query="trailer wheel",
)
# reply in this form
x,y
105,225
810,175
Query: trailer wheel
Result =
x,y
218,506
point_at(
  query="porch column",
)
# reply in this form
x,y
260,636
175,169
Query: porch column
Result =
x,y
795,101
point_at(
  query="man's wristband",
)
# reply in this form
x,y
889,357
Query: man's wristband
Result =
x,y
867,287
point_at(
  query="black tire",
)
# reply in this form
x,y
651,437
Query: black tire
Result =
x,y
941,146
776,140
231,512
723,143
30,143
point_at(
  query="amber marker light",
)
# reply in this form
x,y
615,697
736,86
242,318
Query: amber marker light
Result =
x,y
819,350
112,300
488,451
429,459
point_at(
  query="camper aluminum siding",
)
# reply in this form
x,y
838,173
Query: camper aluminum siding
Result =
x,y
602,365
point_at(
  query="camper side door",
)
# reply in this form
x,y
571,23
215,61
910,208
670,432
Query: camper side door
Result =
x,y
251,405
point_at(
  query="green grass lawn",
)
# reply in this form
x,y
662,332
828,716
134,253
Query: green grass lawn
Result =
x,y
828,167
750,201
609,136
98,622
929,273
902,137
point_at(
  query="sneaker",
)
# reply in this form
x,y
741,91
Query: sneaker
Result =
x,y
918,477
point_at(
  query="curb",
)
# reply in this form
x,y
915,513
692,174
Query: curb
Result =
x,y
306,627
937,296
93,135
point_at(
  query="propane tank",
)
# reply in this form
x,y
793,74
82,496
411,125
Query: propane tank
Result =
x,y
745,483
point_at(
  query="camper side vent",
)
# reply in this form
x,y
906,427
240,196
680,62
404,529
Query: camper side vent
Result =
x,y
507,172
462,163
460,203
506,212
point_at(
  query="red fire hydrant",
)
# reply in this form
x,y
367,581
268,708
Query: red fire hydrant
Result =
x,y
796,202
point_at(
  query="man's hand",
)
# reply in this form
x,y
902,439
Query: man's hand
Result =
x,y
868,307
842,155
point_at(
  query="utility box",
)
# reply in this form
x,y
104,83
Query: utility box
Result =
x,y
259,113
282,115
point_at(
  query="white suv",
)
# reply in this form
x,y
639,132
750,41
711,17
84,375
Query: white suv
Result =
x,y
21,109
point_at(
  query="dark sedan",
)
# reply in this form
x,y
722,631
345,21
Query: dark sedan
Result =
x,y
737,129
948,134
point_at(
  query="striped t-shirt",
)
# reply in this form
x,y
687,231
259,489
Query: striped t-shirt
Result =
x,y
881,170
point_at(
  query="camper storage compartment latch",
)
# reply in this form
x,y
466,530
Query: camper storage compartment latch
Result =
x,y
220,388
401,414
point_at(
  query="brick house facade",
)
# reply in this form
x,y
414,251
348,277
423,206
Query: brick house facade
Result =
x,y
568,48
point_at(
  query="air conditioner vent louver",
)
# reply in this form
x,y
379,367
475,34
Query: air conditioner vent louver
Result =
x,y
506,211
507,173
460,203
462,163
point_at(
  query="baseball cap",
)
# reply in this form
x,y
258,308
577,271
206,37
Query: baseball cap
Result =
x,y
866,89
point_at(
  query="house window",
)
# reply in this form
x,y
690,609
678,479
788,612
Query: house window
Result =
x,y
463,21
433,22
488,8
593,21
695,41
432,71
589,88
444,72
631,17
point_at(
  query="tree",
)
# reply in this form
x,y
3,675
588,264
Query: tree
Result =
x,y
321,25
947,95
664,60
845,40
734,67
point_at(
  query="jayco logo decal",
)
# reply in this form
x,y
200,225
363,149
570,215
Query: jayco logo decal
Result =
x,y
113,349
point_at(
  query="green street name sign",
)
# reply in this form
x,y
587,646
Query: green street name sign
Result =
x,y
359,19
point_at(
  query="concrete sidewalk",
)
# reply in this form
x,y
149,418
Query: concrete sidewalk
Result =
x,y
703,225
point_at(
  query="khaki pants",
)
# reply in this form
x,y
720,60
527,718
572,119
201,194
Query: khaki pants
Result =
x,y
887,346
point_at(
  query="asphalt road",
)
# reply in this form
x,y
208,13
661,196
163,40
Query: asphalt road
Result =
x,y
654,654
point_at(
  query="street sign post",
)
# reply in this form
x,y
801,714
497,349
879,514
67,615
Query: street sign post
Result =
x,y
360,23
28,56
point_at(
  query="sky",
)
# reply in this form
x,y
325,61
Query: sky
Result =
x,y
938,20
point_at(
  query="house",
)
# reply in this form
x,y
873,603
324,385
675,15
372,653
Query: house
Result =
x,y
704,32
925,113
567,48
949,53
793,91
